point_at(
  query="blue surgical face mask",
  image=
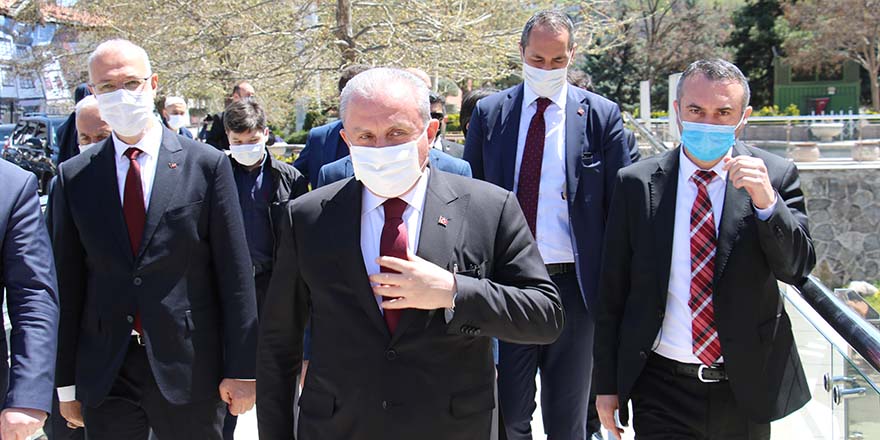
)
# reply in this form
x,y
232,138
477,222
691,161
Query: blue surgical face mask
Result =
x,y
708,142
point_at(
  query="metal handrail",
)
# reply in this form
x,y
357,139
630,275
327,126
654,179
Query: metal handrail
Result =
x,y
656,144
863,337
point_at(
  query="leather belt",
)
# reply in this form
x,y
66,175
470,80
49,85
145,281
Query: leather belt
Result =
x,y
560,268
703,373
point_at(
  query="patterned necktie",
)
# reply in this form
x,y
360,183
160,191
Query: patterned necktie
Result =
x,y
134,211
393,244
530,167
706,347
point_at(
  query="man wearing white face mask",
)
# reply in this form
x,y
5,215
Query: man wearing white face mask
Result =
x,y
174,115
158,316
558,148
407,272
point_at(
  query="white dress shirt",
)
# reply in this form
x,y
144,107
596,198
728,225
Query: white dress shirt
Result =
x,y
373,220
552,228
149,144
675,340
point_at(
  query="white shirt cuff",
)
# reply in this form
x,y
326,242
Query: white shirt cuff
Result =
x,y
67,394
764,214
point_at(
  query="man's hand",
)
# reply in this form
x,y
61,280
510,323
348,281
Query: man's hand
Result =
x,y
606,404
72,412
419,285
750,173
240,395
20,423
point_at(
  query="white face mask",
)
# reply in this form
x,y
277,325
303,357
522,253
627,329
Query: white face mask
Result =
x,y
176,121
388,171
128,113
545,83
248,154
83,148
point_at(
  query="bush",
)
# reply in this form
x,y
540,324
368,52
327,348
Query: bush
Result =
x,y
297,137
773,110
453,123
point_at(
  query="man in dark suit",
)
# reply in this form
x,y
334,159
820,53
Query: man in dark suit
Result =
x,y
67,132
438,112
324,144
217,135
692,328
451,255
157,292
343,168
27,274
559,148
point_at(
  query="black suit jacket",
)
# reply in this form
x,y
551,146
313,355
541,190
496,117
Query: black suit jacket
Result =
x,y
430,379
755,332
192,280
217,135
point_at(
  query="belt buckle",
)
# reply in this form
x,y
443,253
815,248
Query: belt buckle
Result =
x,y
700,375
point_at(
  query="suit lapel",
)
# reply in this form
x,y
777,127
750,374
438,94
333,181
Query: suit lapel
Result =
x,y
664,188
341,210
737,205
442,220
165,184
511,111
107,191
575,139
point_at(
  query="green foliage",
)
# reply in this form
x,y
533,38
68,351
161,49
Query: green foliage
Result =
x,y
453,123
773,110
754,37
297,137
314,118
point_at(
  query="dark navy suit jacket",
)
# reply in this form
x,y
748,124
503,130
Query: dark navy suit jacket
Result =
x,y
595,150
191,280
342,168
27,272
322,145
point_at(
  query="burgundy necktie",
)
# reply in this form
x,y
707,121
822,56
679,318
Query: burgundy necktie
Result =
x,y
134,210
393,244
530,166
706,347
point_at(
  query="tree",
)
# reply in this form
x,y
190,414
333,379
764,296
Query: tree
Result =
x,y
819,33
753,40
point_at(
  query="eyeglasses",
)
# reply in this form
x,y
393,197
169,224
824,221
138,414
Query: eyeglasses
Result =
x,y
438,116
132,85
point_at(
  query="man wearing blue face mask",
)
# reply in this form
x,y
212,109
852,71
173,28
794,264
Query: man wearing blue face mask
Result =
x,y
558,148
691,327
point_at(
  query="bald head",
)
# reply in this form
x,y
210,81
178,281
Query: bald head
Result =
x,y
117,56
90,127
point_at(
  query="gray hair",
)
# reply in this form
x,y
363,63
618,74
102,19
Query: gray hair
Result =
x,y
119,45
86,103
381,80
556,20
715,70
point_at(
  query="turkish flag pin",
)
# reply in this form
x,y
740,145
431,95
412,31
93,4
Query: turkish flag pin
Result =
x,y
580,111
172,165
443,221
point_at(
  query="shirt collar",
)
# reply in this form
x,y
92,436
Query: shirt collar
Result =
x,y
687,168
149,144
415,197
529,96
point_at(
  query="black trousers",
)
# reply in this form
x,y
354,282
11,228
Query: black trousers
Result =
x,y
135,404
566,371
668,406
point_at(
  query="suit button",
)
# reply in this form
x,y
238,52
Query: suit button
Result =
x,y
130,319
475,331
391,354
465,329
137,281
643,355
384,404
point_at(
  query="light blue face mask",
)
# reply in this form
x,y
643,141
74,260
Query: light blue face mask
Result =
x,y
708,142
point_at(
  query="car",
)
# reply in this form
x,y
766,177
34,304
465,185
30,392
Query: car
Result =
x,y
5,131
33,145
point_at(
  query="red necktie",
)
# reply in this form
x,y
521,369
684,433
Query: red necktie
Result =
x,y
706,347
134,210
393,244
530,166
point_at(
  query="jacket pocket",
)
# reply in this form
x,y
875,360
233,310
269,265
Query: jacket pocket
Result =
x,y
471,402
317,404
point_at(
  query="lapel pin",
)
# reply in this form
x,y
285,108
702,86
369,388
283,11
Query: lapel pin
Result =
x,y
443,221
172,165
580,111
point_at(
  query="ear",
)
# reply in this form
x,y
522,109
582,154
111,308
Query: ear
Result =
x,y
433,129
266,131
345,137
154,81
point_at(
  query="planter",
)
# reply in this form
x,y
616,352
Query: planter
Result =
x,y
826,131
866,150
803,151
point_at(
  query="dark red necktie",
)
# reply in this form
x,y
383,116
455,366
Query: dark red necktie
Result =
x,y
393,244
530,166
706,347
134,210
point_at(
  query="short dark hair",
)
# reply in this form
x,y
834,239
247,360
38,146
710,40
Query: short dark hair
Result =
x,y
435,98
469,103
556,20
244,115
348,73
715,70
